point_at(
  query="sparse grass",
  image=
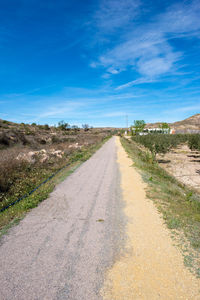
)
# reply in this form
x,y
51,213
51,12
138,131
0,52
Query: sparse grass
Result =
x,y
36,175
179,204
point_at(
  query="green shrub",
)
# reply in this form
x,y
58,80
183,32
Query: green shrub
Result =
x,y
162,143
55,139
46,127
63,125
194,141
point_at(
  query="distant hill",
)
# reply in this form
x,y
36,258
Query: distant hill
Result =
x,y
189,125
192,123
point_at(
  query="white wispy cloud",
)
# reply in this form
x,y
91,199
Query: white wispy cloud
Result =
x,y
3,115
189,108
181,18
71,104
114,14
180,112
147,48
61,109
136,82
147,52
113,70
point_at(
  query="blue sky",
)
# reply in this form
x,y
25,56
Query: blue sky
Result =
x,y
96,61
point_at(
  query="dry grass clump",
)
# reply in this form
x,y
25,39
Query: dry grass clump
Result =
x,y
26,176
29,154
8,166
22,168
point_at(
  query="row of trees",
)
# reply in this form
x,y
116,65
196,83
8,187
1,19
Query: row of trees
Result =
x,y
66,126
63,126
159,143
139,126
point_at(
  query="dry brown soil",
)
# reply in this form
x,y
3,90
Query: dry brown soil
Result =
x,y
183,164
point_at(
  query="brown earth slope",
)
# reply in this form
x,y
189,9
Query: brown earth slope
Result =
x,y
189,125
29,154
36,136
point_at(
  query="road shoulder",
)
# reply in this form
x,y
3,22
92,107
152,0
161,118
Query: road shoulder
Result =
x,y
151,266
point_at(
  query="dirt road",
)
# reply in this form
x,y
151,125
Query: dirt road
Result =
x,y
61,249
96,237
150,267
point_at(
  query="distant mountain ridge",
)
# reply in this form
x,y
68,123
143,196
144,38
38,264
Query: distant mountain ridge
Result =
x,y
189,125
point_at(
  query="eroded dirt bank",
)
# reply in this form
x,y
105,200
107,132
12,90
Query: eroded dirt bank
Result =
x,y
151,267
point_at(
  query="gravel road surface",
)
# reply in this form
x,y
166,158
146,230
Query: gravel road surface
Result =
x,y
62,248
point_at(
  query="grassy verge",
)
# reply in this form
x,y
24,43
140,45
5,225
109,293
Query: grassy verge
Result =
x,y
15,213
179,205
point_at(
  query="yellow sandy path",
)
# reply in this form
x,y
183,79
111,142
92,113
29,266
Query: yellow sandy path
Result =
x,y
151,267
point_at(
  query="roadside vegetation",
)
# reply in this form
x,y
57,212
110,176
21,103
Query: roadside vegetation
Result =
x,y
163,143
24,166
179,204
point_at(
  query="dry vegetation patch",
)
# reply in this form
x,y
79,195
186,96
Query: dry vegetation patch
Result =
x,y
29,154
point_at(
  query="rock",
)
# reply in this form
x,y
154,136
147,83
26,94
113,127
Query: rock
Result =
x,y
29,157
44,158
75,146
57,153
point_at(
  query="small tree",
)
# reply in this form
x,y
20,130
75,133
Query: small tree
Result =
x,y
139,125
75,127
63,125
85,127
46,127
194,141
164,126
156,143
